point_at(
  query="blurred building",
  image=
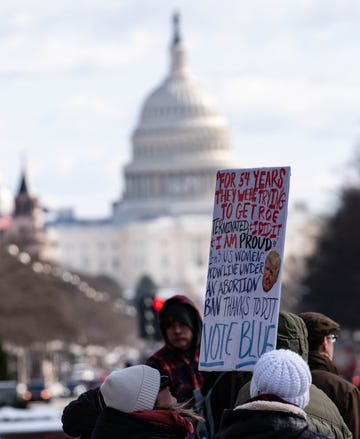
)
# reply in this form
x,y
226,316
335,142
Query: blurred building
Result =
x,y
302,232
25,228
6,201
160,225
52,303
6,209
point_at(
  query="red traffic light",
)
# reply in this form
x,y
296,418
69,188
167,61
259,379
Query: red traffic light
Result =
x,y
158,303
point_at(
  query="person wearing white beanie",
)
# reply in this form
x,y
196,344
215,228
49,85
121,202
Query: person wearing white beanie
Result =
x,y
279,392
282,373
138,404
131,389
129,403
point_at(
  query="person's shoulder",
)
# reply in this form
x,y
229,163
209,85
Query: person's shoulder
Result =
x,y
349,390
159,358
80,415
91,393
321,405
330,378
157,354
84,398
324,416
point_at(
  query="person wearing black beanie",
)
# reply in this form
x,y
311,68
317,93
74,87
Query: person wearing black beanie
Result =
x,y
180,323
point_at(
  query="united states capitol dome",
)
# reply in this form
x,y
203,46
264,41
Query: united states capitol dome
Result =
x,y
180,98
180,140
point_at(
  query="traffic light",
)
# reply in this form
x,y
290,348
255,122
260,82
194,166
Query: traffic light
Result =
x,y
157,304
146,316
149,307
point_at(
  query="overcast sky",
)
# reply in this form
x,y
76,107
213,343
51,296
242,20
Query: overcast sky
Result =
x,y
74,74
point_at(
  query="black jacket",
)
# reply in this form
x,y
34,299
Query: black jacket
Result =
x,y
79,416
266,419
114,424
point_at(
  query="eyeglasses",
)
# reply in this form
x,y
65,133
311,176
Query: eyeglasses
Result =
x,y
164,382
332,337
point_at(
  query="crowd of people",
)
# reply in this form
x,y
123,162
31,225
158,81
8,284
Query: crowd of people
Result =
x,y
293,391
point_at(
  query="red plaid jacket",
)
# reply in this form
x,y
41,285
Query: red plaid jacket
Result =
x,y
180,366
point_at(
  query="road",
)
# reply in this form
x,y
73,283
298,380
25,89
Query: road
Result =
x,y
56,403
39,421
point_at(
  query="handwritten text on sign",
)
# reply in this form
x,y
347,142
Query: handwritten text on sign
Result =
x,y
246,251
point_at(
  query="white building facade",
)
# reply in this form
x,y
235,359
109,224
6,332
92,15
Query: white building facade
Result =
x,y
161,224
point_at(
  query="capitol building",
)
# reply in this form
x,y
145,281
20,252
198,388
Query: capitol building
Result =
x,y
160,225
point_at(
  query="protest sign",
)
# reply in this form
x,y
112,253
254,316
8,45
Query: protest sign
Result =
x,y
245,263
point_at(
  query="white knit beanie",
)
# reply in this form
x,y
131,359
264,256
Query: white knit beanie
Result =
x,y
131,389
283,373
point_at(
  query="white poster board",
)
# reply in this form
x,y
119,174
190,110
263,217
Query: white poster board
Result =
x,y
245,263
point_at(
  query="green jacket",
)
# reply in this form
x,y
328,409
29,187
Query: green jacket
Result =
x,y
322,414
